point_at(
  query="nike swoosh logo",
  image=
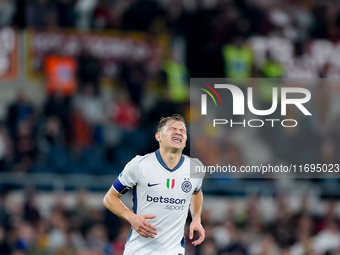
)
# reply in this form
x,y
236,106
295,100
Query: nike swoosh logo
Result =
x,y
151,185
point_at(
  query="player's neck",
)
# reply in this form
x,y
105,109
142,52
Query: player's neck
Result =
x,y
170,158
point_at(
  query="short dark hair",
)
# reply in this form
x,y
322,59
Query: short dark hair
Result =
x,y
174,117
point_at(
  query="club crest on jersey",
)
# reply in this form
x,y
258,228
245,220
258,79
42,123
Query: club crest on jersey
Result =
x,y
186,186
170,183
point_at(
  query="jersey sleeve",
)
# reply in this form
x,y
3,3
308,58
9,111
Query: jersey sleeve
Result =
x,y
197,162
199,186
128,178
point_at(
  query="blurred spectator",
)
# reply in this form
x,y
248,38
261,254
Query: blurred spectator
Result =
x,y
177,77
109,15
4,215
133,77
101,14
69,225
281,228
141,15
18,252
238,59
19,110
25,147
123,112
57,105
266,246
329,216
207,155
208,247
224,28
304,232
19,19
323,108
335,136
91,109
82,209
232,154
254,13
41,239
83,12
236,245
66,13
31,212
4,245
329,238
97,240
175,14
119,243
110,219
24,237
196,24
59,206
254,222
68,248
89,70
272,68
222,233
7,11
304,211
51,133
5,148
163,105
81,136
38,13
319,28
58,236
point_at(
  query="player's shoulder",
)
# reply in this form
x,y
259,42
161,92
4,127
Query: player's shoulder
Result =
x,y
193,161
134,165
139,158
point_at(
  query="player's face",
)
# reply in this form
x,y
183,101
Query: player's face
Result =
x,y
173,135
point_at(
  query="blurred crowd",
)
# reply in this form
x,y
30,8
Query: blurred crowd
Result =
x,y
82,127
80,230
79,118
255,231
207,26
80,133
32,228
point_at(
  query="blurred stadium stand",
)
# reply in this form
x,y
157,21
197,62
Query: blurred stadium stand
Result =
x,y
64,139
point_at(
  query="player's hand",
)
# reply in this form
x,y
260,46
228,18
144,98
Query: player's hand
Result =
x,y
144,228
196,226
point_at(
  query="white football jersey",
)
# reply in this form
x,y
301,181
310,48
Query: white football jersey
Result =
x,y
166,193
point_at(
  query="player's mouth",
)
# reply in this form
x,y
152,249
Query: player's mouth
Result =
x,y
177,139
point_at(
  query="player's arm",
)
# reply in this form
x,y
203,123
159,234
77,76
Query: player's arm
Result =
x,y
138,222
196,211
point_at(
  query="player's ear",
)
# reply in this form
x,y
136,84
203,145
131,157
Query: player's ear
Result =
x,y
158,136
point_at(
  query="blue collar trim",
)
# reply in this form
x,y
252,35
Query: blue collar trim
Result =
x,y
161,161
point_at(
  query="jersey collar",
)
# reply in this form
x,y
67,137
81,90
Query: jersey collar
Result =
x,y
161,161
